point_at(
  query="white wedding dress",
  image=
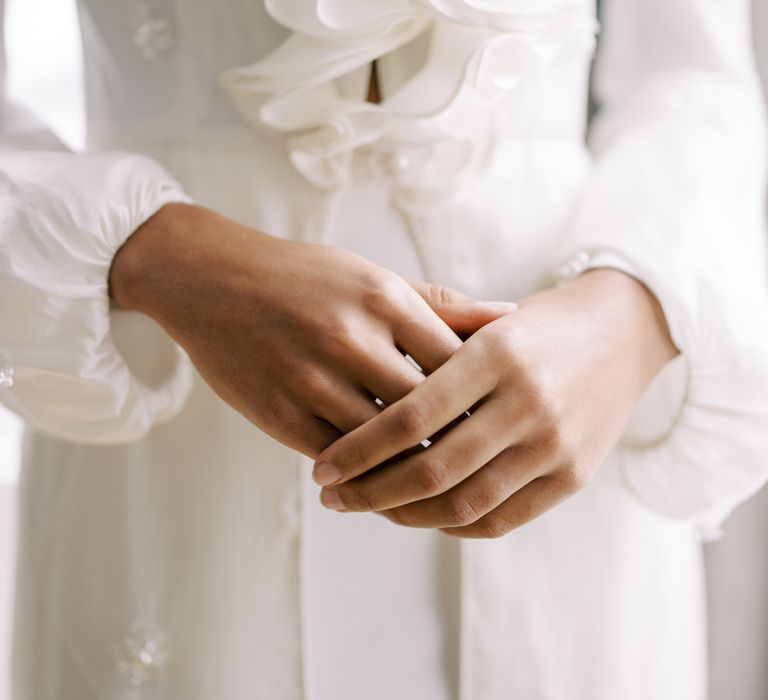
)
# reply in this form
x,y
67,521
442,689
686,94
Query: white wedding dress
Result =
x,y
168,549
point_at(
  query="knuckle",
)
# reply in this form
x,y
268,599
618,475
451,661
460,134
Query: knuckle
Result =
x,y
459,511
492,528
554,437
358,498
382,290
535,396
340,337
573,477
541,405
526,455
442,296
553,441
431,475
492,494
310,378
505,349
412,421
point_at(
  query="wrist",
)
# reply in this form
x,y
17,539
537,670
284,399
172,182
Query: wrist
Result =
x,y
177,266
188,268
142,265
631,308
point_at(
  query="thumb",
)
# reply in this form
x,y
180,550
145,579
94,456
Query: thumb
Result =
x,y
463,314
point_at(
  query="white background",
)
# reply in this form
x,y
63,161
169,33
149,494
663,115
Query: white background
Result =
x,y
49,81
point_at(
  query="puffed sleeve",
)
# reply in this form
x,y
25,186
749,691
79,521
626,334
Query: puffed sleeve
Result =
x,y
677,199
63,216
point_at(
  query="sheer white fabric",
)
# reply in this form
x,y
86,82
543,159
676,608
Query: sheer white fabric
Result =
x,y
194,562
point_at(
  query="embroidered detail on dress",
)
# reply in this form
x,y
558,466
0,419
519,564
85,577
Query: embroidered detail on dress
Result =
x,y
143,654
153,35
6,376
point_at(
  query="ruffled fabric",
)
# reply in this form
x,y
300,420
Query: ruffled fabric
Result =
x,y
439,122
64,216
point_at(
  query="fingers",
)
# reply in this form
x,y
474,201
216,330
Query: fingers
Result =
x,y
386,374
440,398
478,495
300,430
520,508
461,452
324,394
346,408
344,395
314,435
419,332
463,314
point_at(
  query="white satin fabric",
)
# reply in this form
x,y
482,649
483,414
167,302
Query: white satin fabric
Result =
x,y
169,550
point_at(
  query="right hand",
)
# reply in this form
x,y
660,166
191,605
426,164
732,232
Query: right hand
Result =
x,y
299,338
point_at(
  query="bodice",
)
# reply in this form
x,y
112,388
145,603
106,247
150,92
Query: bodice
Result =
x,y
457,76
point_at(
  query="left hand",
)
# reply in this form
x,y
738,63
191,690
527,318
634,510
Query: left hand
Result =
x,y
550,389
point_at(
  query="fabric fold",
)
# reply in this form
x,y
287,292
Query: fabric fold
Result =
x,y
64,218
478,53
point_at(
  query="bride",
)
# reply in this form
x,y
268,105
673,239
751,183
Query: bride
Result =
x,y
374,230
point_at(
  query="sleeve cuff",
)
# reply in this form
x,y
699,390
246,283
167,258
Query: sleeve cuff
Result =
x,y
714,453
64,217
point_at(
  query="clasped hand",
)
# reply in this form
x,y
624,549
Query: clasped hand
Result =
x,y
548,390
301,339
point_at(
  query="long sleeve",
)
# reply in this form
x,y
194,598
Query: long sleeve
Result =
x,y
677,196
63,216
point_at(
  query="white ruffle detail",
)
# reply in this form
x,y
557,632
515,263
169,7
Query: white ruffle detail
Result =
x,y
354,19
504,15
442,117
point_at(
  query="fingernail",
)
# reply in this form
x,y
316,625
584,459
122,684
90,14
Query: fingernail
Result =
x,y
508,305
325,473
331,499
